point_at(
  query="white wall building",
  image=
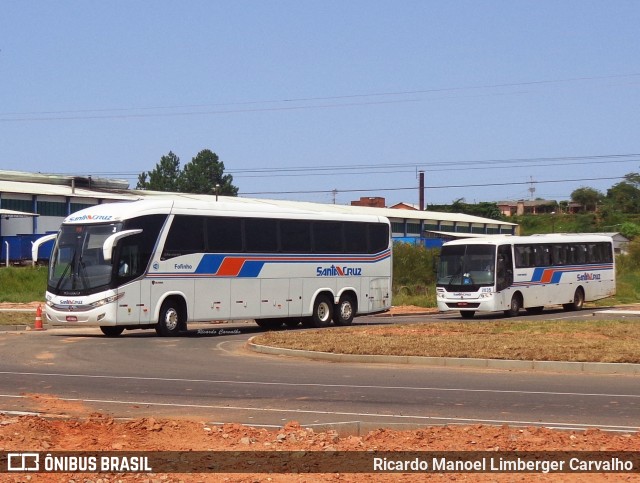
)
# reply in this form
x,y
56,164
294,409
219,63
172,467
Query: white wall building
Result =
x,y
33,204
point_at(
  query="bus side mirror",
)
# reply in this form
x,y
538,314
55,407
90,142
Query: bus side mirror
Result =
x,y
37,243
107,246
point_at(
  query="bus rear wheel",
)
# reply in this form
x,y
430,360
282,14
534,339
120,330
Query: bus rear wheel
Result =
x,y
578,301
322,312
171,321
345,311
111,330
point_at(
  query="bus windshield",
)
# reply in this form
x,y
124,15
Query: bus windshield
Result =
x,y
77,262
467,267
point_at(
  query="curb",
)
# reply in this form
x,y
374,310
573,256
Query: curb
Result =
x,y
21,328
14,328
457,362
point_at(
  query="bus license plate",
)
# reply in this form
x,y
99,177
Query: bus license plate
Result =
x,y
462,304
72,318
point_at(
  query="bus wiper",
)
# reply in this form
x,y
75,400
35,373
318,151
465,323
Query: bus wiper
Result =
x,y
453,277
64,273
83,273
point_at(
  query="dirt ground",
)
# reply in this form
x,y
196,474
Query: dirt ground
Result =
x,y
73,430
71,427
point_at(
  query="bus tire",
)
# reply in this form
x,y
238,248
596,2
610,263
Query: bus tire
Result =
x,y
111,330
515,306
269,324
345,311
171,320
322,312
467,314
578,301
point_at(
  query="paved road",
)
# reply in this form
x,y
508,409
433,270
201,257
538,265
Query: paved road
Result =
x,y
209,374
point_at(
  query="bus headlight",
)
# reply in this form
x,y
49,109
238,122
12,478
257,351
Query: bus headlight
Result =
x,y
108,300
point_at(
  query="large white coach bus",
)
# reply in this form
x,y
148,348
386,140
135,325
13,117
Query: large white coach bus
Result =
x,y
514,272
162,263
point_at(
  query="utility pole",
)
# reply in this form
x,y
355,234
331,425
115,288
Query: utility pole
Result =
x,y
421,176
532,188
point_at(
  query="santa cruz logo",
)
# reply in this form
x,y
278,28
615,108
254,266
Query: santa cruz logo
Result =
x,y
583,277
90,218
334,271
71,302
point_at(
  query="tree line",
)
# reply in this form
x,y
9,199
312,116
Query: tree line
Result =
x,y
204,174
623,196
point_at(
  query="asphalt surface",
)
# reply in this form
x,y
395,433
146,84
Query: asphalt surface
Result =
x,y
209,374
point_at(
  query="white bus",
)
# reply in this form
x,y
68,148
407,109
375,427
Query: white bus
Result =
x,y
162,263
508,273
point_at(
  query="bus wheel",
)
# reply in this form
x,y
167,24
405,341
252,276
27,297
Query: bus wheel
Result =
x,y
345,311
578,301
321,316
111,330
467,314
170,321
514,308
269,324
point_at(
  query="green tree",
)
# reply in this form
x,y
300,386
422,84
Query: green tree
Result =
x,y
625,196
484,209
203,173
630,230
587,197
164,177
200,175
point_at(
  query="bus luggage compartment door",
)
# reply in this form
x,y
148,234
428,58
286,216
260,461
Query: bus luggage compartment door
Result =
x,y
379,294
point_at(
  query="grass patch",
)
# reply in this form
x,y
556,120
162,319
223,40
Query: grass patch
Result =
x,y
18,318
597,341
22,284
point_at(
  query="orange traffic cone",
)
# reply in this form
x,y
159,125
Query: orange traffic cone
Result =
x,y
38,323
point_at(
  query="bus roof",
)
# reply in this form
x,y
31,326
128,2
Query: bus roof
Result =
x,y
522,240
226,206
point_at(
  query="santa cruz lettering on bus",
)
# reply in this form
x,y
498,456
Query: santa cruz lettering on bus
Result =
x,y
583,277
334,271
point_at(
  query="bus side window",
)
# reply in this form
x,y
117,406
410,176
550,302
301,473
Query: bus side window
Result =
x,y
224,234
504,270
186,236
378,238
521,255
559,254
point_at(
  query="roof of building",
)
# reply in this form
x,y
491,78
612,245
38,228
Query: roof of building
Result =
x,y
113,190
16,214
387,212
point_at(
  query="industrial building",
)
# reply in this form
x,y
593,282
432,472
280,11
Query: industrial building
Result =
x,y
35,204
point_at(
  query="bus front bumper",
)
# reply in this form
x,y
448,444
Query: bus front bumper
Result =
x,y
98,316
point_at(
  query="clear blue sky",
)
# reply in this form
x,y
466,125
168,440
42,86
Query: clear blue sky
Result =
x,y
459,89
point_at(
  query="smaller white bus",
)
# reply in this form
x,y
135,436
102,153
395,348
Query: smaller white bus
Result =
x,y
508,273
159,264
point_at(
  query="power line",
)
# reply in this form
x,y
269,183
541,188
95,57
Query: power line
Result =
x,y
121,112
485,164
510,183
